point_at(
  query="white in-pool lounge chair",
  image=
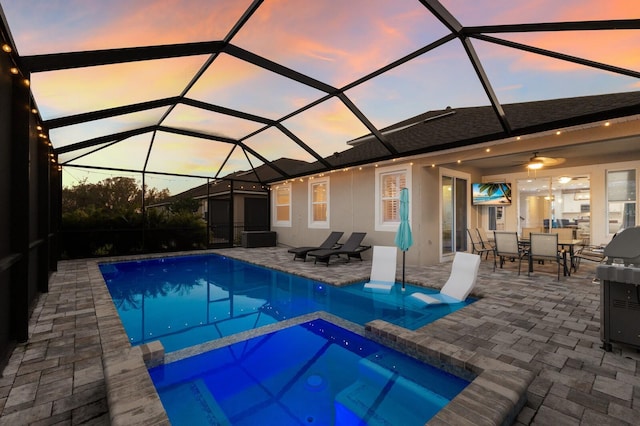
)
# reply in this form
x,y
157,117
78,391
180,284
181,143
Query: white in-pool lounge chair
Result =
x,y
464,272
383,269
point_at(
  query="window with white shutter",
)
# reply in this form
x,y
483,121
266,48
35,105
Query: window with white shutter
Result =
x,y
389,182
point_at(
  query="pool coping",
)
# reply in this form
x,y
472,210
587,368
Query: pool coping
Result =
x,y
495,396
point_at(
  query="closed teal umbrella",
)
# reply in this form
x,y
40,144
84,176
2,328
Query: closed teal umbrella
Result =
x,y
404,239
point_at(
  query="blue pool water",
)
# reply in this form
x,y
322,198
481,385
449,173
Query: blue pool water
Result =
x,y
315,373
184,301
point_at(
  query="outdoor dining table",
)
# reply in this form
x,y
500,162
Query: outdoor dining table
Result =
x,y
563,245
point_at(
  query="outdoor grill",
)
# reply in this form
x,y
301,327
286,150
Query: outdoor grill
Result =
x,y
620,290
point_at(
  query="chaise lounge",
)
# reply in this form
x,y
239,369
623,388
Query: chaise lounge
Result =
x,y
464,273
352,248
383,269
330,242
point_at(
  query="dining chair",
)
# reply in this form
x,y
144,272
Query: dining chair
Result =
x,y
477,246
507,247
527,231
545,247
563,233
485,238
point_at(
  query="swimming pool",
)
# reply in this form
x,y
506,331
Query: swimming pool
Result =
x,y
187,300
327,375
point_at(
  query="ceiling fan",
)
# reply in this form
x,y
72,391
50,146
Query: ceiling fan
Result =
x,y
536,162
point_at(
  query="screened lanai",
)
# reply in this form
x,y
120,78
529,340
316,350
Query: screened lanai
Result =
x,y
178,91
231,96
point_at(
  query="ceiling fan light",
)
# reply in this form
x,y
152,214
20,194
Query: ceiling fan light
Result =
x,y
535,165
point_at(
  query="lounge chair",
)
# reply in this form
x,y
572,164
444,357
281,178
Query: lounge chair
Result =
x,y
383,269
464,272
352,248
330,242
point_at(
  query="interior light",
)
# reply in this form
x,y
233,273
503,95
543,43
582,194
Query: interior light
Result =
x,y
14,70
564,179
558,132
607,124
535,165
6,48
459,161
35,111
488,150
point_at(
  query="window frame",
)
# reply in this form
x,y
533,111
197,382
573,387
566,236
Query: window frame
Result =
x,y
380,174
276,222
319,224
609,201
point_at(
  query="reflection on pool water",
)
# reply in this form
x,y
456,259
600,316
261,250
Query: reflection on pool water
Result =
x,y
315,373
184,301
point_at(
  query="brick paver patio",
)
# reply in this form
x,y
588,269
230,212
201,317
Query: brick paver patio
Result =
x,y
537,323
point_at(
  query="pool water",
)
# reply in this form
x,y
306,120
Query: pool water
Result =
x,y
188,300
315,373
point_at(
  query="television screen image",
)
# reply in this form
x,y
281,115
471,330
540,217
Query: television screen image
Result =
x,y
491,194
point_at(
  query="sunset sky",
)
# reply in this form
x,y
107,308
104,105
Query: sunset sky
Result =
x,y
333,41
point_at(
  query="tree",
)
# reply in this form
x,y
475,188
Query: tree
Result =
x,y
118,196
184,205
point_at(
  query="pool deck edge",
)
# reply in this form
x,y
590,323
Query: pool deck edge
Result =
x,y
131,396
497,391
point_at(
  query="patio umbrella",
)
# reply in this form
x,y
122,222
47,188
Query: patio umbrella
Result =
x,y
404,239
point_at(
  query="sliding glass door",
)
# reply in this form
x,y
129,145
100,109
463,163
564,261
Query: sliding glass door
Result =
x,y
556,202
454,202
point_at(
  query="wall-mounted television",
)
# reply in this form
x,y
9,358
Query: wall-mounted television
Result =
x,y
491,194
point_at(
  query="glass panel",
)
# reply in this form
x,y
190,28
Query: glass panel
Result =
x,y
72,176
621,200
461,201
447,214
173,153
209,122
227,80
488,12
419,86
69,92
174,184
338,41
535,203
519,76
559,202
283,200
68,135
617,48
319,192
95,24
127,154
273,144
237,163
327,127
78,154
392,183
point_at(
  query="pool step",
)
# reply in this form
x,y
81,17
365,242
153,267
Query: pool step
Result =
x,y
382,397
192,401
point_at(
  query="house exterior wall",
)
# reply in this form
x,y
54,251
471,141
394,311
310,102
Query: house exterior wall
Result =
x,y
352,206
352,209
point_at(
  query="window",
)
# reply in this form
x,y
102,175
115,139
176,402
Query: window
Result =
x,y
389,182
621,199
282,205
319,203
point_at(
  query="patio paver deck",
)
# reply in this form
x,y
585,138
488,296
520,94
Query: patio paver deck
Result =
x,y
537,323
